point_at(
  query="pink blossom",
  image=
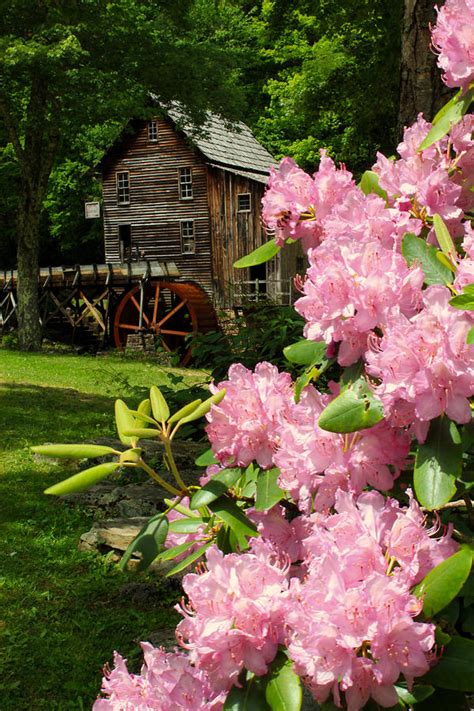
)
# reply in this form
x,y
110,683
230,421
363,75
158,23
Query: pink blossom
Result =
x,y
176,539
425,363
244,426
453,39
234,619
167,682
351,288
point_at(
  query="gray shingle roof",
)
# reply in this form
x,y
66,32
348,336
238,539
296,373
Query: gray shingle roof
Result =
x,y
234,149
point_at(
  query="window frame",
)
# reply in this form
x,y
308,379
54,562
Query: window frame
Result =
x,y
185,183
121,187
183,237
249,196
152,131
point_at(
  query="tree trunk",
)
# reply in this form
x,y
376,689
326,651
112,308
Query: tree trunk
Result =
x,y
421,88
29,328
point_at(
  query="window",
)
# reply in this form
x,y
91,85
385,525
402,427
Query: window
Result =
x,y
123,188
152,131
188,241
243,202
185,183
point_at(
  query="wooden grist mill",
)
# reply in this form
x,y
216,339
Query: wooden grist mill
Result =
x,y
109,302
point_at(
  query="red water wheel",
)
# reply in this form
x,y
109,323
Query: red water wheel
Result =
x,y
171,311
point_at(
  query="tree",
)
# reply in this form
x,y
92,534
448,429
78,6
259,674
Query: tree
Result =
x,y
67,66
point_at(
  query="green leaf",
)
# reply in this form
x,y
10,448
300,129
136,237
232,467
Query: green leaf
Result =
x,y
228,511
369,183
305,352
148,542
186,525
260,255
83,479
417,694
141,433
124,421
73,451
438,463
250,697
217,486
174,552
268,491
464,301
442,584
354,409
444,238
184,411
144,411
159,406
141,419
283,691
206,459
454,669
189,559
204,407
417,251
470,337
447,117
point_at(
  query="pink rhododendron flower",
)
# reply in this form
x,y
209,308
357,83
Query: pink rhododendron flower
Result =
x,y
234,619
351,288
244,426
453,39
167,682
425,363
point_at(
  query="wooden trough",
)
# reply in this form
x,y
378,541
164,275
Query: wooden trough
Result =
x,y
108,302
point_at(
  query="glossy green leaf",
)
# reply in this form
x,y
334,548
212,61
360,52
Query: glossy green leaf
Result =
x,y
73,451
159,406
144,408
356,408
464,301
216,487
268,492
205,406
260,255
444,238
142,433
283,690
189,559
149,542
442,584
417,694
470,337
250,697
438,463
417,251
124,421
206,459
455,668
131,455
305,352
447,117
174,552
83,479
228,511
186,525
369,183
184,411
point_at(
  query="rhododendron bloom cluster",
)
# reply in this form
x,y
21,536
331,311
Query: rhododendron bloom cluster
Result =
x,y
167,682
234,619
453,39
424,364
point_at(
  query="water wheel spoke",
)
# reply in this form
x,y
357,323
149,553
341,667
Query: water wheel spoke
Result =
x,y
155,306
130,327
172,312
145,317
176,333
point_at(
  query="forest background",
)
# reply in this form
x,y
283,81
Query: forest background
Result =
x,y
303,75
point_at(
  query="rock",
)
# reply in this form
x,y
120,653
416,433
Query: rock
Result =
x,y
115,534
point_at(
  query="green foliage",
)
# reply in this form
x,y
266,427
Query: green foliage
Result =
x,y
438,463
283,688
454,669
448,116
268,493
148,543
356,408
444,582
259,256
417,251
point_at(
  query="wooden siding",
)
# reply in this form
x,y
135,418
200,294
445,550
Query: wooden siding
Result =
x,y
156,210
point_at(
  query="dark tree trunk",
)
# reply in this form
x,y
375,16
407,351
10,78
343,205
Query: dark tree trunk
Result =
x,y
421,88
29,328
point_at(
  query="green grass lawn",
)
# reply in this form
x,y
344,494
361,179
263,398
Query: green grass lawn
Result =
x,y
63,612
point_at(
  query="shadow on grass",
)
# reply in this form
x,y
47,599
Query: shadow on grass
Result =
x,y
62,611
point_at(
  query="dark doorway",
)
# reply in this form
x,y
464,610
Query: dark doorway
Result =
x,y
258,272
125,241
